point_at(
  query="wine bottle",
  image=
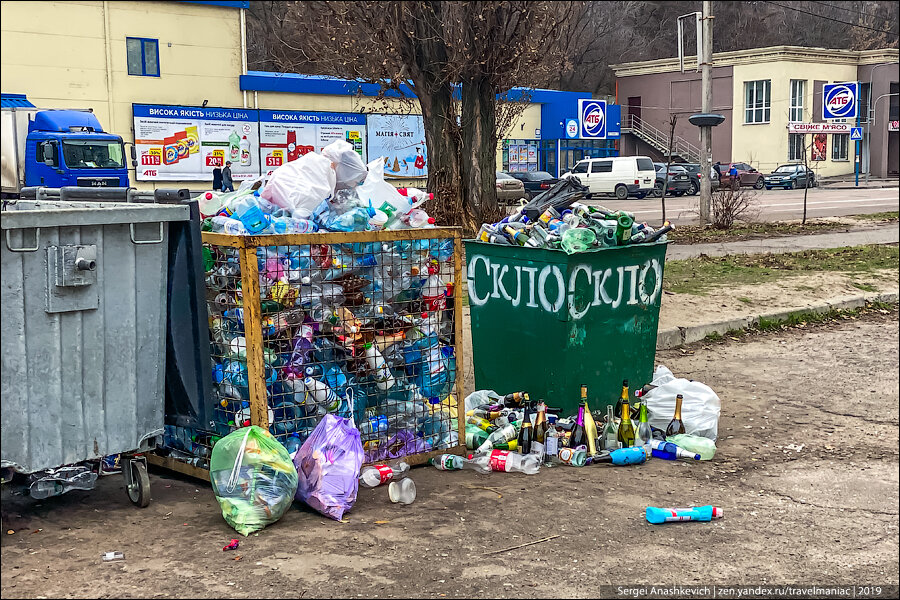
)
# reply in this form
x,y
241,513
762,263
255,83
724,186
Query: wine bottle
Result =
x,y
551,445
525,434
590,426
578,437
622,398
642,434
643,391
610,440
515,399
625,435
676,426
538,444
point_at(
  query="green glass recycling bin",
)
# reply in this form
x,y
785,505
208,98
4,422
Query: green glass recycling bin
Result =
x,y
546,322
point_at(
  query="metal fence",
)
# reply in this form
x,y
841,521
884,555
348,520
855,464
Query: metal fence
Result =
x,y
364,325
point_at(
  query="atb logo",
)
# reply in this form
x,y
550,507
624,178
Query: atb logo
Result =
x,y
840,101
592,114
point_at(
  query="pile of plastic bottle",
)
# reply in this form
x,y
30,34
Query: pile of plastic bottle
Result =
x,y
574,229
361,330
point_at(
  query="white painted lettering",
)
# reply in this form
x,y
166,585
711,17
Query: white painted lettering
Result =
x,y
542,288
470,276
632,289
531,272
573,285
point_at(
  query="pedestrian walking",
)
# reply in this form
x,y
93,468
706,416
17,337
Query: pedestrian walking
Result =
x,y
718,169
227,181
217,179
733,177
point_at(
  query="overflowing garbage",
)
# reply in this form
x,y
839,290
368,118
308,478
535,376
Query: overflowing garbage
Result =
x,y
363,331
555,220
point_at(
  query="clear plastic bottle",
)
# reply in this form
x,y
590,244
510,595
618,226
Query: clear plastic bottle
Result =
x,y
509,462
223,224
248,212
380,474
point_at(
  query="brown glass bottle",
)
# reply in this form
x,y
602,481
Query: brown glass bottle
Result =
x,y
676,425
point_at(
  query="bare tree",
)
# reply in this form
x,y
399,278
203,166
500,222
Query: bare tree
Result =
x,y
482,48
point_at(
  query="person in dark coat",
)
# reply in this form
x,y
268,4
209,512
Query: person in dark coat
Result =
x,y
217,179
227,181
718,169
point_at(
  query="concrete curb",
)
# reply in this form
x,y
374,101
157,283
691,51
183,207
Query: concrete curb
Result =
x,y
674,337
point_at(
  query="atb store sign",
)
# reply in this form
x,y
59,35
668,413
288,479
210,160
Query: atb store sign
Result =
x,y
592,119
840,100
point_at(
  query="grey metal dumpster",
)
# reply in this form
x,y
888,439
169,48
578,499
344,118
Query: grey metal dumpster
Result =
x,y
83,300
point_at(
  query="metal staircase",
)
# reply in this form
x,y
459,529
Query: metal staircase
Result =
x,y
658,139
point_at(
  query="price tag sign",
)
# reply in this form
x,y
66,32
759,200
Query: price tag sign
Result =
x,y
275,158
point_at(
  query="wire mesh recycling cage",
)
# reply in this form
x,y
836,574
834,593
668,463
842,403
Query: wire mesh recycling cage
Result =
x,y
365,325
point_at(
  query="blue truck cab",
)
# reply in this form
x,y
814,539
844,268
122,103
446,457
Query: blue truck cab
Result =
x,y
69,147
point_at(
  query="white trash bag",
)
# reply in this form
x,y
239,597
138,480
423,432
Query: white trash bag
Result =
x,y
700,406
379,194
348,166
301,185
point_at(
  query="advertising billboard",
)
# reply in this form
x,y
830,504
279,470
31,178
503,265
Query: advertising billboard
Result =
x,y
400,139
286,135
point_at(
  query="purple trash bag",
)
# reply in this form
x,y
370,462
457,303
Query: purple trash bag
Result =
x,y
328,465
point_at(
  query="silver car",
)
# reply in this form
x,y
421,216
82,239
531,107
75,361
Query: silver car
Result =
x,y
509,189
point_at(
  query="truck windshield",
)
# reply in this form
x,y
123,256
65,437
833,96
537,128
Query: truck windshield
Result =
x,y
92,154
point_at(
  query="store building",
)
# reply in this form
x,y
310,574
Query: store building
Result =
x,y
160,73
760,92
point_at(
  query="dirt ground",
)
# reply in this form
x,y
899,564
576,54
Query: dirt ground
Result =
x,y
684,310
806,472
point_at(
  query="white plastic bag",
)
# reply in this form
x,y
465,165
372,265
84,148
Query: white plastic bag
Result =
x,y
301,185
700,406
382,195
481,397
348,166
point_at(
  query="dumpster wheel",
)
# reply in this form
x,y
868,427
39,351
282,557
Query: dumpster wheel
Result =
x,y
137,483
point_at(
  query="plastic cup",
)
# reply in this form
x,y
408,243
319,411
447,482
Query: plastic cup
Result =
x,y
403,491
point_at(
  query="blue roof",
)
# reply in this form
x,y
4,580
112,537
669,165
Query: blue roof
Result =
x,y
17,100
225,3
556,105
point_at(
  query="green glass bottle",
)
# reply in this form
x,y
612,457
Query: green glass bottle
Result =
x,y
625,434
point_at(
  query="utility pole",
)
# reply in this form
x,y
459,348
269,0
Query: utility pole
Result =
x,y
706,130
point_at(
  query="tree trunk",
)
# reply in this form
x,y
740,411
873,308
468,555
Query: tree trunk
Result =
x,y
478,154
442,143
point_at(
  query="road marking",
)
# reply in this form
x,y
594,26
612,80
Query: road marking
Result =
x,y
818,208
810,202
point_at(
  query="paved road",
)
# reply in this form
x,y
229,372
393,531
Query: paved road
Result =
x,y
806,472
774,205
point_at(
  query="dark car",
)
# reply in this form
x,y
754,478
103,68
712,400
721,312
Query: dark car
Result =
x,y
790,177
693,170
747,175
535,181
679,181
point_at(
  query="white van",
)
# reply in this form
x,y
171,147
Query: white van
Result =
x,y
621,176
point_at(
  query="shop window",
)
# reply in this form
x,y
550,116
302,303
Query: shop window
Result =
x,y
795,146
143,56
798,89
840,146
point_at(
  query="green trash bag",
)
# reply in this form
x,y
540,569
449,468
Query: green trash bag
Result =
x,y
253,477
577,240
705,447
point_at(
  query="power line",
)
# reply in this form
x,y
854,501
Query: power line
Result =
x,y
859,12
806,12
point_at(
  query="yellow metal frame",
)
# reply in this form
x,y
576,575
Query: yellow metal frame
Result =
x,y
256,370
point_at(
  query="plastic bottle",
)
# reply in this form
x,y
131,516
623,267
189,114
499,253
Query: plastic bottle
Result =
x,y
383,377
509,462
251,215
451,462
434,292
705,447
379,474
234,143
222,224
658,516
245,151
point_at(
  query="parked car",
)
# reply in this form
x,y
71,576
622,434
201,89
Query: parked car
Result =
x,y
747,175
509,189
678,181
535,181
790,176
621,176
693,170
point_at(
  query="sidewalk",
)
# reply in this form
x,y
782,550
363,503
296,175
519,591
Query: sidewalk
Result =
x,y
888,233
849,183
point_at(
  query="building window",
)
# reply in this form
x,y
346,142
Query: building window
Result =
x,y
795,146
798,89
840,146
143,56
757,101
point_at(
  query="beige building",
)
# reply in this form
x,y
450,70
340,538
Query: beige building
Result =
x,y
108,55
760,92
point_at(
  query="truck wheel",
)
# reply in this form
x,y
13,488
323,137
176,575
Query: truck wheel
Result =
x,y
621,192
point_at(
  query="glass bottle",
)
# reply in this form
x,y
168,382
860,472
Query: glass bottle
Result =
x,y
622,398
590,426
625,434
578,437
642,433
676,425
525,434
610,439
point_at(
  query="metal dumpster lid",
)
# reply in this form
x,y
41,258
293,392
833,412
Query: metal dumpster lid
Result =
x,y
26,214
